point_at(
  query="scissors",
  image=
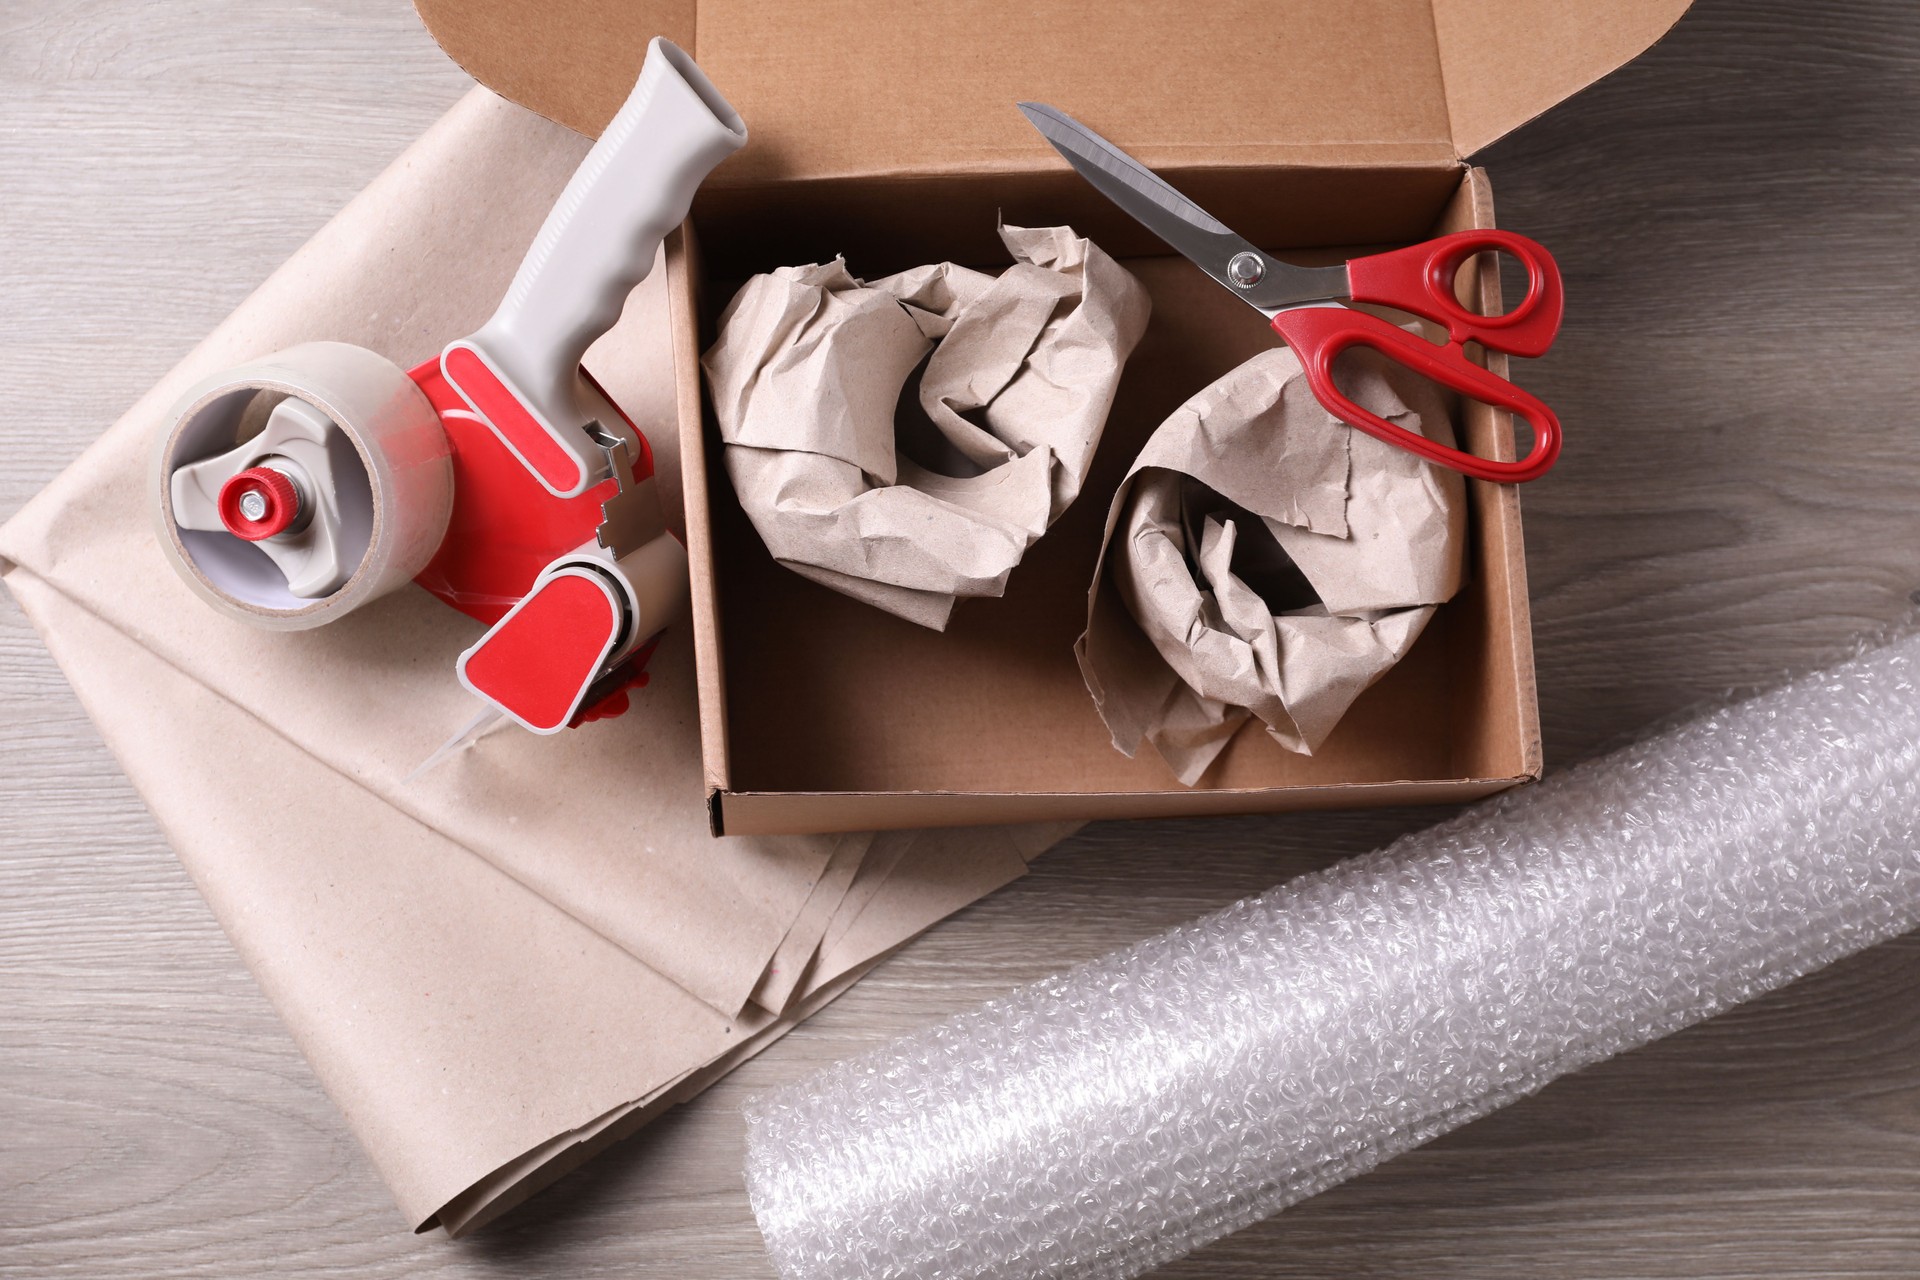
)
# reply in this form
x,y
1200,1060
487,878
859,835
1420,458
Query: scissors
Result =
x,y
1303,303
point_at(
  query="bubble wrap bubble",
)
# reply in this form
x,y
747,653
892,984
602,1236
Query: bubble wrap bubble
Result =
x,y
1114,1117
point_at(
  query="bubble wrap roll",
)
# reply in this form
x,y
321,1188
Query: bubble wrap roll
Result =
x,y
1115,1117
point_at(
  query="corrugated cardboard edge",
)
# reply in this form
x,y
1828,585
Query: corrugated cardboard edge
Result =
x,y
1498,513
683,275
763,813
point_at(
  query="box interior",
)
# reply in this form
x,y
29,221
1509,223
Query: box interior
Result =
x,y
817,693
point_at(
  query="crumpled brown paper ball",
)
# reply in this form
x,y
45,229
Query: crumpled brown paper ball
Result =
x,y
912,515
1264,559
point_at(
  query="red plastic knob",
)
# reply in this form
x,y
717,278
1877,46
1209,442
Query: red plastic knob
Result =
x,y
258,503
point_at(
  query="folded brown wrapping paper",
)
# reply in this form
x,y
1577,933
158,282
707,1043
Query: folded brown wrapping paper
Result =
x,y
596,821
1262,559
914,515
532,950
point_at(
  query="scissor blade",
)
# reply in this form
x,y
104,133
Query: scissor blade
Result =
x,y
474,730
1184,225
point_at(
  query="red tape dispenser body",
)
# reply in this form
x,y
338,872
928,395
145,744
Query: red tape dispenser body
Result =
x,y
569,633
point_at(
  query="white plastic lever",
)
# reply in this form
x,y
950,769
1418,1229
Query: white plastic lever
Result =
x,y
585,613
521,370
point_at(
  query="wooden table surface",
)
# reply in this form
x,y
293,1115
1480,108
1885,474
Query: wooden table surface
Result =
x,y
1736,215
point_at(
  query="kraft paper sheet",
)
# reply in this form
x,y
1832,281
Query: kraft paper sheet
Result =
x,y
1263,559
912,512
532,950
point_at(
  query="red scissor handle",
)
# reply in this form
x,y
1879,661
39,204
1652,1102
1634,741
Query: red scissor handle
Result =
x,y
1420,279
1318,334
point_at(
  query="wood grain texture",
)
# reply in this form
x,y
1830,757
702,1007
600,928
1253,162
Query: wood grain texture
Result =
x,y
1736,216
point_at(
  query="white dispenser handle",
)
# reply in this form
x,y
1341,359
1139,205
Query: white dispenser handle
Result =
x,y
600,240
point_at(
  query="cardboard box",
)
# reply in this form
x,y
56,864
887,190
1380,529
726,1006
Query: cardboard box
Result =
x,y
891,136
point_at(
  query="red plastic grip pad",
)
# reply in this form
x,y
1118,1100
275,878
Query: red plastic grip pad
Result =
x,y
539,661
502,410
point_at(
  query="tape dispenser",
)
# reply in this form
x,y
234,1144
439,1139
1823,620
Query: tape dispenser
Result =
x,y
499,476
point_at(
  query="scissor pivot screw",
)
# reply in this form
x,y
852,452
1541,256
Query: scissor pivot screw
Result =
x,y
1246,269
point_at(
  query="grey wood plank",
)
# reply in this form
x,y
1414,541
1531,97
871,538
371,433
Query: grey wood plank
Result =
x,y
1735,213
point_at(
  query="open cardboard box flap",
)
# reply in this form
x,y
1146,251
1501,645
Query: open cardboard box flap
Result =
x,y
833,89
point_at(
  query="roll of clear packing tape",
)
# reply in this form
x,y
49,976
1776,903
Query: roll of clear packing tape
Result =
x,y
344,480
